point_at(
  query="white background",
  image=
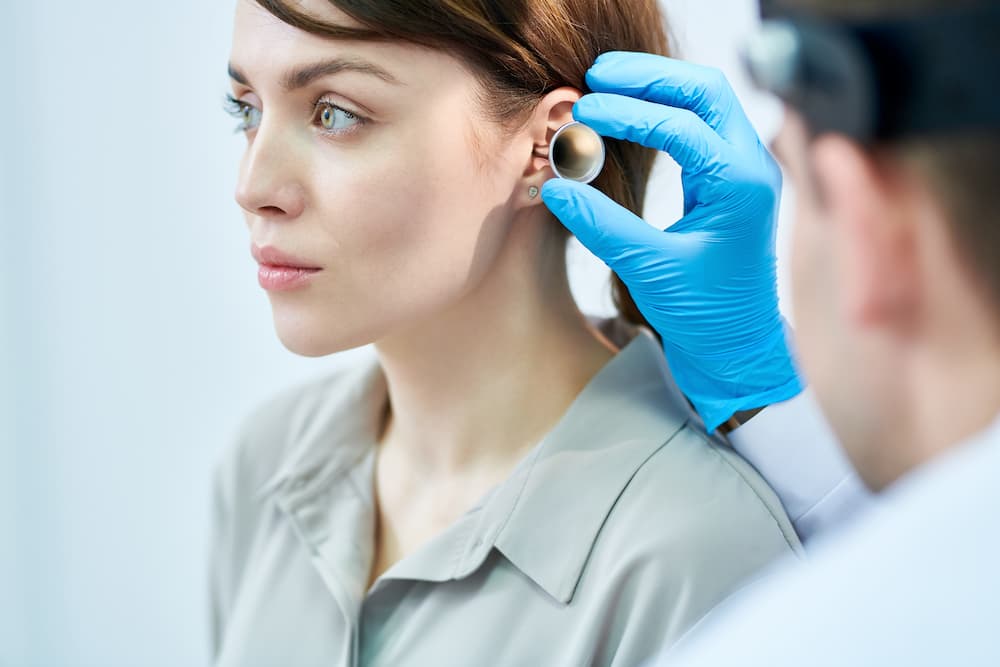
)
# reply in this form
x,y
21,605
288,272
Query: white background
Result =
x,y
133,335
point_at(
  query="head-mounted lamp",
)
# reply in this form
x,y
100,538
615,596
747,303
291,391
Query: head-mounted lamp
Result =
x,y
882,80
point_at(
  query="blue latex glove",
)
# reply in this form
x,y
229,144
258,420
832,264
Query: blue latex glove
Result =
x,y
708,283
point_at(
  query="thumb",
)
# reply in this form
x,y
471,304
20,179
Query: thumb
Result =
x,y
607,229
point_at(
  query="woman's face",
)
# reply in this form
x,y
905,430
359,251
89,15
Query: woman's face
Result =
x,y
370,162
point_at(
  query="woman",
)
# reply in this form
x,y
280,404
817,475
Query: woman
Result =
x,y
503,485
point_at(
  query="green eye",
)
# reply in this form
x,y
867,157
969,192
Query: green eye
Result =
x,y
333,118
328,118
247,115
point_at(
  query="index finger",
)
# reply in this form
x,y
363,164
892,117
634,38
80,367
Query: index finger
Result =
x,y
703,90
613,233
678,132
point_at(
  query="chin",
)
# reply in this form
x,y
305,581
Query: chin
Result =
x,y
315,339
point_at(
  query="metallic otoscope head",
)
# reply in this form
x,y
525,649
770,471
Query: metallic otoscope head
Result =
x,y
577,153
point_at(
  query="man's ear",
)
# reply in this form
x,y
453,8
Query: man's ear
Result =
x,y
876,252
552,112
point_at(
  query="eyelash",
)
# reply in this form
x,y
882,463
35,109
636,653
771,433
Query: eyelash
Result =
x,y
236,108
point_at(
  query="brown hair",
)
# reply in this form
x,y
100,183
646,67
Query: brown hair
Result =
x,y
961,169
521,50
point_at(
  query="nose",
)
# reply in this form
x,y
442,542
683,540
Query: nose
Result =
x,y
269,184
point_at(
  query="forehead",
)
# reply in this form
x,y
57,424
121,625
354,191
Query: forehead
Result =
x,y
265,48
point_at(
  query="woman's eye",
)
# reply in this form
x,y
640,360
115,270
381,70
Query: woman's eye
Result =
x,y
330,117
248,115
335,119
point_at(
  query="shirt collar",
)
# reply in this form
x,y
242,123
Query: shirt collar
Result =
x,y
545,517
968,453
331,430
548,515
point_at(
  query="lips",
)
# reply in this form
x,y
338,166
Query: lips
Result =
x,y
280,271
272,257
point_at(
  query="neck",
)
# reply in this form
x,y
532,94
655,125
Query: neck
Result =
x,y
475,387
954,394
946,356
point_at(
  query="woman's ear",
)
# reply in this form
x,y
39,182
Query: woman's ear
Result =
x,y
553,111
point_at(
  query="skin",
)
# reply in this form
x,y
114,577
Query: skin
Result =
x,y
897,336
430,247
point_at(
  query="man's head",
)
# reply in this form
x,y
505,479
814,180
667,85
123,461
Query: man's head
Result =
x,y
895,281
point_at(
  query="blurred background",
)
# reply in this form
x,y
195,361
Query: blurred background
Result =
x,y
133,334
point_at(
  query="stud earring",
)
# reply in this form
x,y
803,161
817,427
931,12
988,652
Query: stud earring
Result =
x,y
532,192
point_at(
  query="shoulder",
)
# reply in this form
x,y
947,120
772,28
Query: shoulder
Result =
x,y
694,526
697,521
698,494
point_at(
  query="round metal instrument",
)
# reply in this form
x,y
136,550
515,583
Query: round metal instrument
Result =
x,y
577,153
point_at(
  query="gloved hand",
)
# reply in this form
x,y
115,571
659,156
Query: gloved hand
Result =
x,y
708,283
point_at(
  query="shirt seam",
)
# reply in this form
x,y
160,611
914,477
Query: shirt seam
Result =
x,y
795,548
575,582
833,490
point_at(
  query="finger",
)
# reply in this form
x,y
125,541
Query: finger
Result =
x,y
678,132
608,230
702,90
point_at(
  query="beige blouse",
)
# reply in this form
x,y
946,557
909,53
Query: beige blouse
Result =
x,y
620,530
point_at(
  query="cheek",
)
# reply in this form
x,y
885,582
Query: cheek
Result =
x,y
409,225
813,295
830,358
421,212
806,246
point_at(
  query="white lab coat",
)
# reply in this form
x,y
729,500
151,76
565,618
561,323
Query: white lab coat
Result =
x,y
914,581
792,447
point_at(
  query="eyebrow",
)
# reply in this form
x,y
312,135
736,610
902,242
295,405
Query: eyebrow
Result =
x,y
300,77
